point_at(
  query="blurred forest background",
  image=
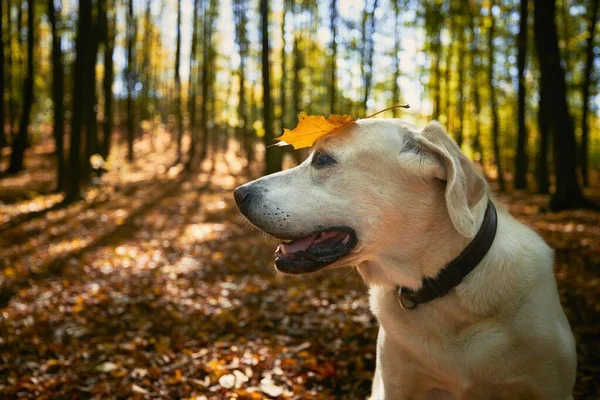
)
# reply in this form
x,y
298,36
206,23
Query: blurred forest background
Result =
x,y
125,124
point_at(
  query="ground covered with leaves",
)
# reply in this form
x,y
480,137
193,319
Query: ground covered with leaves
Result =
x,y
153,286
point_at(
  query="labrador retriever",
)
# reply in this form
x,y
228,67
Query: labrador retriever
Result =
x,y
464,294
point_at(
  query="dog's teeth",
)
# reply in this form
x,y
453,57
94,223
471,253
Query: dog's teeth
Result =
x,y
282,249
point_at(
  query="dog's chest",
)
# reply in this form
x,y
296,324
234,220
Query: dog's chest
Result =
x,y
442,345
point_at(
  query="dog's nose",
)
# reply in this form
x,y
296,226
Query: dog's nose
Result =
x,y
241,195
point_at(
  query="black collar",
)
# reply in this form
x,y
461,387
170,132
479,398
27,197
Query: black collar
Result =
x,y
454,272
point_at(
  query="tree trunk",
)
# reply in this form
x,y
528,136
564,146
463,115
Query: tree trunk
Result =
x,y
447,77
145,68
240,10
474,50
192,86
9,73
587,82
2,134
206,79
568,193
298,65
433,27
567,54
368,29
493,102
541,170
298,85
396,60
254,100
436,81
273,153
178,111
460,106
58,94
129,74
17,71
521,157
109,46
448,70
79,83
91,121
20,143
282,85
333,79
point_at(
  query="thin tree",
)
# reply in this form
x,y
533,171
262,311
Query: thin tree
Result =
x,y
91,120
177,82
448,68
130,80
544,126
272,154
433,28
9,71
282,91
145,67
2,135
298,86
493,100
368,30
475,56
568,55
20,142
333,79
240,15
521,157
14,66
568,193
84,24
587,83
460,103
108,78
396,59
58,94
207,61
192,86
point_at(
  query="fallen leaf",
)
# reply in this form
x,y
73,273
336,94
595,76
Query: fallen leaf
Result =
x,y
240,378
269,387
107,367
227,381
138,389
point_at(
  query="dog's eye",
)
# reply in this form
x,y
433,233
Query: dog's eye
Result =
x,y
322,160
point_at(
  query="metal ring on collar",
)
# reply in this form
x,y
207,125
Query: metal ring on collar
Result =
x,y
405,303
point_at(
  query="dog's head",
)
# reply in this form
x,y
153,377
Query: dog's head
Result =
x,y
378,184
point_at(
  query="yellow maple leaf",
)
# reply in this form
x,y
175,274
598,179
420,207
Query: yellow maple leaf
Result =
x,y
311,128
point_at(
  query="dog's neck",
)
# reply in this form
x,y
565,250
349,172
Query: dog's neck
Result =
x,y
394,269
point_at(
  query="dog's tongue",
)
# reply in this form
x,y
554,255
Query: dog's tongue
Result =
x,y
298,244
304,243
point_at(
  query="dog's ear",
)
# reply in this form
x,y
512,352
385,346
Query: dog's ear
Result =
x,y
464,185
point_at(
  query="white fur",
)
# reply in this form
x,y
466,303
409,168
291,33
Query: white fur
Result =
x,y
415,201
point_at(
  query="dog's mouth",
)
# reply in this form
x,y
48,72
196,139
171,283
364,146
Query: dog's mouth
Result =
x,y
315,251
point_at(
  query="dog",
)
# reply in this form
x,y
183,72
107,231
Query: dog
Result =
x,y
465,295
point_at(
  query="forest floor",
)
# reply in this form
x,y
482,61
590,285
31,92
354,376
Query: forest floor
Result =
x,y
154,287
